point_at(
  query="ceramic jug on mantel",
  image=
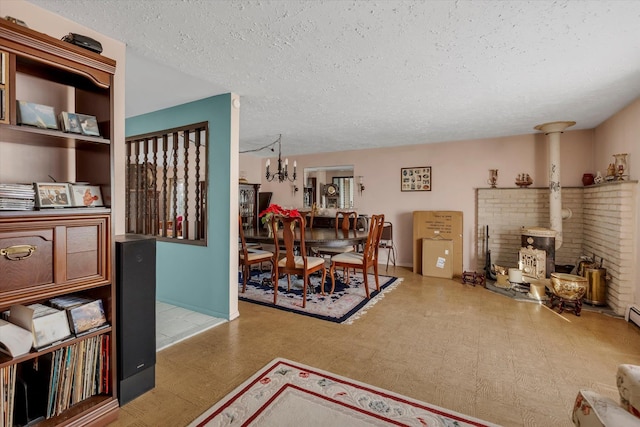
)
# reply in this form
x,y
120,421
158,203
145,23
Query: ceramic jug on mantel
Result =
x,y
587,179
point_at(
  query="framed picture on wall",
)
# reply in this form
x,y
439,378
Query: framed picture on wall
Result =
x,y
415,179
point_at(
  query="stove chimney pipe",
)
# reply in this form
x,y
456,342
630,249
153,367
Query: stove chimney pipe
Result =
x,y
556,213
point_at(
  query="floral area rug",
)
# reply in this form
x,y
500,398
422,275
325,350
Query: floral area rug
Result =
x,y
286,393
346,304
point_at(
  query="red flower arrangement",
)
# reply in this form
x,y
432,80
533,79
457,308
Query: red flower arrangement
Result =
x,y
274,209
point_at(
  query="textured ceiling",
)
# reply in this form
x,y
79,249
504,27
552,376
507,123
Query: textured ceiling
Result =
x,y
341,75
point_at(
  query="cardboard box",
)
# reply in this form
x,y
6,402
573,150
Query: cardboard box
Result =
x,y
441,224
437,258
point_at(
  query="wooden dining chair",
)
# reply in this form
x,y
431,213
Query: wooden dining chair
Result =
x,y
386,242
302,264
344,222
249,257
308,218
361,260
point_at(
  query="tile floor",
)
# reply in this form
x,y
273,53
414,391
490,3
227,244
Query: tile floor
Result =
x,y
175,324
464,348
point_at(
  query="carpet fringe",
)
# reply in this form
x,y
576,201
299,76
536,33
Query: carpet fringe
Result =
x,y
372,302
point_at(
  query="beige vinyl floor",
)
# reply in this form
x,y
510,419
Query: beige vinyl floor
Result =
x,y
456,346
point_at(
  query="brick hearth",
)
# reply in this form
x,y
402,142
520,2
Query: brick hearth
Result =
x,y
603,223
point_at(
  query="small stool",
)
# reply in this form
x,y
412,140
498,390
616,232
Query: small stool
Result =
x,y
574,305
473,278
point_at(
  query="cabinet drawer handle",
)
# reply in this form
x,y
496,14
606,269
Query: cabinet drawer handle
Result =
x,y
13,252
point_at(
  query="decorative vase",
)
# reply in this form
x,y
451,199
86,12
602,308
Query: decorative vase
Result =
x,y
271,229
587,179
267,224
621,166
493,178
599,179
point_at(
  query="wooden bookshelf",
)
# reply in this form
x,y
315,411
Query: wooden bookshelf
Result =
x,y
73,246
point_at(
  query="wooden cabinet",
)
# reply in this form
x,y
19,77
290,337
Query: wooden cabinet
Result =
x,y
43,255
248,201
57,252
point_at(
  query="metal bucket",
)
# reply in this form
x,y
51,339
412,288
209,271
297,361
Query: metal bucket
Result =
x,y
597,286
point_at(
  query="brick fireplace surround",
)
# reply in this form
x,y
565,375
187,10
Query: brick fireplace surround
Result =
x,y
603,224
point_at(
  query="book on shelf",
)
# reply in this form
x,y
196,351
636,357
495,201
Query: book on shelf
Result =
x,y
106,364
68,301
71,377
7,395
53,382
91,360
48,325
14,340
17,197
50,384
78,373
7,204
69,355
17,191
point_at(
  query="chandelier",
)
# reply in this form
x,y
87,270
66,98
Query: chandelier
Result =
x,y
282,174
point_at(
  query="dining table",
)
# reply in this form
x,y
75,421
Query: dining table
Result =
x,y
326,237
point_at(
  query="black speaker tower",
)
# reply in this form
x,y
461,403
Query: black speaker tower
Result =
x,y
135,315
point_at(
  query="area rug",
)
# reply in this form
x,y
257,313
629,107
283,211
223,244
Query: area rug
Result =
x,y
286,393
346,304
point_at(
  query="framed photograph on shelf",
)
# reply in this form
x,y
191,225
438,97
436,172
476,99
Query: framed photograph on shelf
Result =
x,y
86,195
87,317
89,124
415,179
69,123
42,116
53,195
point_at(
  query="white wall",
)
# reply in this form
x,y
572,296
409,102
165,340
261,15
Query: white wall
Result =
x,y
458,168
621,134
252,167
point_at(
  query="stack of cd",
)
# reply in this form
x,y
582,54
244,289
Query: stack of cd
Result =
x,y
17,197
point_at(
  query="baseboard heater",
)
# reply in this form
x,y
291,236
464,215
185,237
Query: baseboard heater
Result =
x,y
633,315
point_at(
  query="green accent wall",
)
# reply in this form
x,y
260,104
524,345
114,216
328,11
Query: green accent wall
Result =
x,y
189,276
